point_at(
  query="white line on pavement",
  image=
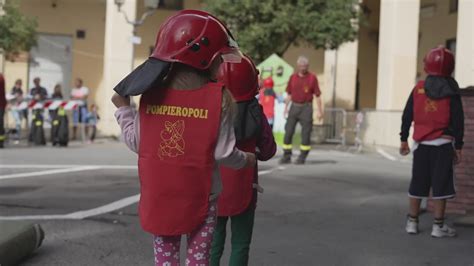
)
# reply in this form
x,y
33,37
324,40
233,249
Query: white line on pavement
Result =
x,y
52,166
49,172
386,154
79,215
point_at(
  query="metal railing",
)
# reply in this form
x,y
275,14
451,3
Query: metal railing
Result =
x,y
336,120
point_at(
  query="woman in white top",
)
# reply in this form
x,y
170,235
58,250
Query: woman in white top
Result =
x,y
79,115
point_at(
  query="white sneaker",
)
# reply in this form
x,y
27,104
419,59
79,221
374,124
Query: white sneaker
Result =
x,y
411,227
443,231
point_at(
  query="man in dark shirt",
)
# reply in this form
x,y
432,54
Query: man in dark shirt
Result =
x,y
301,89
436,109
37,92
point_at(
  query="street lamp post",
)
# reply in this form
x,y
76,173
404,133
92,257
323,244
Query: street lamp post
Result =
x,y
151,7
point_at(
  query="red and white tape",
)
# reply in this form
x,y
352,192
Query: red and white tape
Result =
x,y
48,104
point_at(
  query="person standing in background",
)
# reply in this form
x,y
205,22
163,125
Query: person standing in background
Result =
x,y
17,114
301,89
79,93
57,95
92,119
57,92
38,93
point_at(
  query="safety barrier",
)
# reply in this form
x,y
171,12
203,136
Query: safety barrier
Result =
x,y
49,107
336,120
343,128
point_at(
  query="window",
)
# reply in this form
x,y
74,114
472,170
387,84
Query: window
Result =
x,y
451,45
453,6
171,4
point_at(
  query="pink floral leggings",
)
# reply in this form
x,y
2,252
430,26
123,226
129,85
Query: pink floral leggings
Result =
x,y
199,244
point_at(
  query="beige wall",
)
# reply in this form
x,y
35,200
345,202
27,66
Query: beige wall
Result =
x,y
17,69
149,29
66,18
382,128
436,27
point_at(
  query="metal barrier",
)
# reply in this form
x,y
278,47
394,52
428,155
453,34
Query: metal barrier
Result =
x,y
344,128
336,121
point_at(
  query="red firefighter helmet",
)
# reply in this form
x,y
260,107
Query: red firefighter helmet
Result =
x,y
268,83
240,78
439,62
195,38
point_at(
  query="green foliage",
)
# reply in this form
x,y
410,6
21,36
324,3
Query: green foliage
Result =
x,y
17,32
263,27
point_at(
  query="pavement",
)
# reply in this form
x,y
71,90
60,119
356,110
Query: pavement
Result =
x,y
338,209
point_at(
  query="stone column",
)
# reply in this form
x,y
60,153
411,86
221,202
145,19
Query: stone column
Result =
x,y
398,45
464,71
118,53
346,73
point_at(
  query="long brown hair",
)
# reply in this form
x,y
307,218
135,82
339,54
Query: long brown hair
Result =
x,y
184,77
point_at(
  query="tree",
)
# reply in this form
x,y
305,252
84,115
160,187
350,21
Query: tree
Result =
x,y
17,32
271,26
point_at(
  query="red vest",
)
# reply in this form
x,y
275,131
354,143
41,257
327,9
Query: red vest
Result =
x,y
237,193
268,104
178,135
431,116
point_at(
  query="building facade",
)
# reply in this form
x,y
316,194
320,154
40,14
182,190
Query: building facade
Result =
x,y
91,39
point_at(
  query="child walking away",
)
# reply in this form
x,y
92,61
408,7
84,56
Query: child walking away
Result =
x,y
92,119
435,107
182,132
239,196
267,98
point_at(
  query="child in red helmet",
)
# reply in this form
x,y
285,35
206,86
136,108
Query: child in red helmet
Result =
x,y
267,99
253,133
435,107
182,132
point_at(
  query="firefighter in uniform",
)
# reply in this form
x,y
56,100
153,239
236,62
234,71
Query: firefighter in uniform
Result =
x,y
182,132
238,199
301,89
435,107
3,105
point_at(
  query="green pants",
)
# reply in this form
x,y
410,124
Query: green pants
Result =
x,y
241,236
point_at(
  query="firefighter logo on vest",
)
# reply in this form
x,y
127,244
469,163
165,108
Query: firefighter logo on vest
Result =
x,y
430,106
172,143
306,88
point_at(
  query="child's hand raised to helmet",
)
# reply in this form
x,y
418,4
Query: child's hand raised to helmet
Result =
x,y
120,101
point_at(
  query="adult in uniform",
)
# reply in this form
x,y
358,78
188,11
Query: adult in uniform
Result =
x,y
302,87
435,107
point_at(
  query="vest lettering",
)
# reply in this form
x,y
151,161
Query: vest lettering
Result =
x,y
176,157
178,111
